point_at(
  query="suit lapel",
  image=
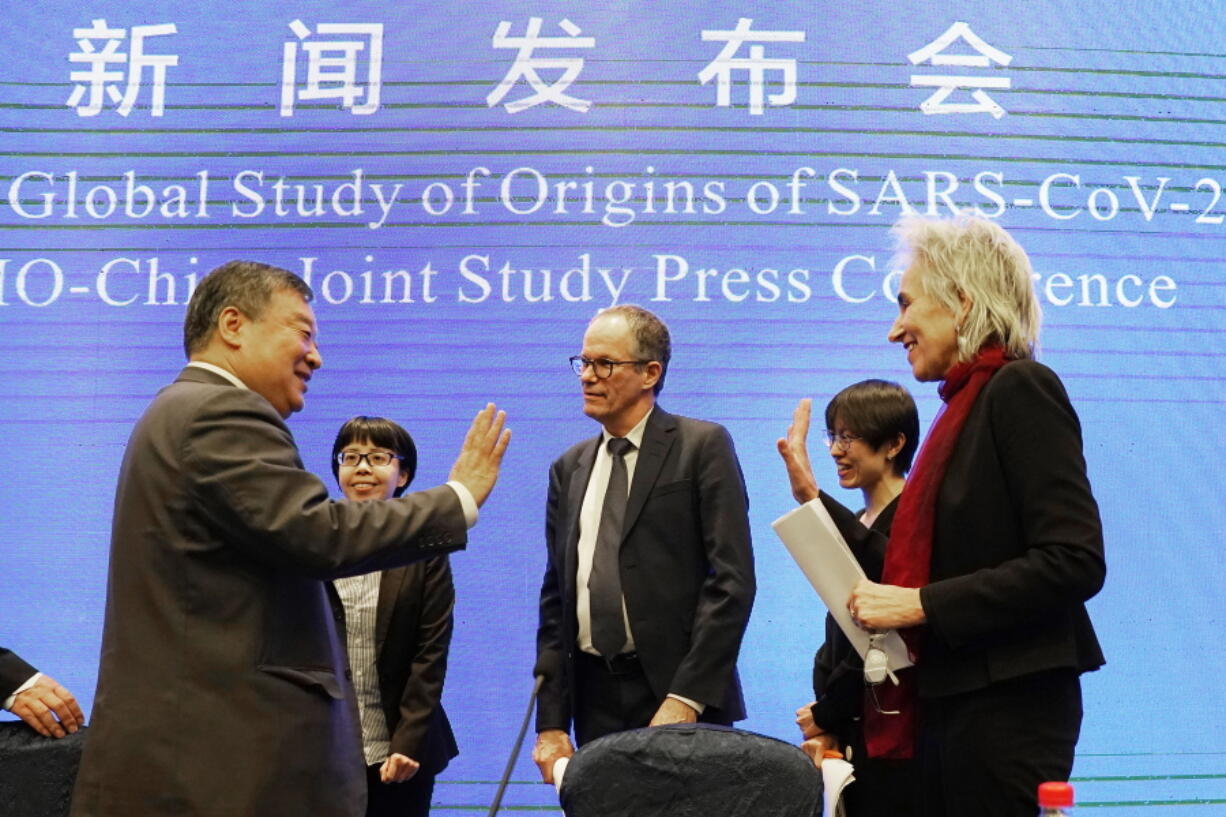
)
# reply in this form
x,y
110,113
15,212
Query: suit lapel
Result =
x,y
389,588
658,437
574,504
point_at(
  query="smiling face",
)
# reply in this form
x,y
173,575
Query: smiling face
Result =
x,y
857,463
276,354
925,328
364,481
620,400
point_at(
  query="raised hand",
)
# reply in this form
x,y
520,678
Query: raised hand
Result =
x,y
481,455
794,449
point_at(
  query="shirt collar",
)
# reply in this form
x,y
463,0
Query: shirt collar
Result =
x,y
217,370
635,435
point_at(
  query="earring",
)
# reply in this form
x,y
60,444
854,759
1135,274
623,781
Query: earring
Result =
x,y
963,343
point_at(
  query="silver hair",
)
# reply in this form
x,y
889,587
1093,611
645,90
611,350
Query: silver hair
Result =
x,y
973,257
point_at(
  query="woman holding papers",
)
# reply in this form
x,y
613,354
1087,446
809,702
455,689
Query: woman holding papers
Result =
x,y
398,630
996,542
872,431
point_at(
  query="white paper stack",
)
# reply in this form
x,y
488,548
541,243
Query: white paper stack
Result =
x,y
814,541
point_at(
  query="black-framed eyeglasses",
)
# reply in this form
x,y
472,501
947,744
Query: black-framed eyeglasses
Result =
x,y
601,367
840,439
376,459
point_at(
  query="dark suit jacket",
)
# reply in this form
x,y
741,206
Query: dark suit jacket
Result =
x,y
13,672
686,567
222,687
413,624
1018,545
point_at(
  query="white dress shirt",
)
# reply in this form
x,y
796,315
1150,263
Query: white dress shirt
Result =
x,y
12,699
589,527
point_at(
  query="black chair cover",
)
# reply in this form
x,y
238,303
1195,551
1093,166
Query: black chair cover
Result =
x,y
37,773
690,770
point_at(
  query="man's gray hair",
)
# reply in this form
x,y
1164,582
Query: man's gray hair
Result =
x,y
651,338
245,285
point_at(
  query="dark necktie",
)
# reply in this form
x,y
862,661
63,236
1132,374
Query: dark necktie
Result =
x,y
604,582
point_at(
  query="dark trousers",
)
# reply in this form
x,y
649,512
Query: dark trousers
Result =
x,y
614,698
883,788
610,699
408,799
984,753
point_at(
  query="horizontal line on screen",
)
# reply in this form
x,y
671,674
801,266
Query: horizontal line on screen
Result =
x,y
883,109
1122,803
1145,53
641,218
588,245
482,809
643,177
755,396
642,224
690,79
703,130
1131,777
620,151
497,61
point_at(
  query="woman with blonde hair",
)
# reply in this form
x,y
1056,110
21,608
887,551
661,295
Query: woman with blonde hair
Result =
x,y
996,544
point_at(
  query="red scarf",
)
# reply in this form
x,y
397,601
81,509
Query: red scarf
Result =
x,y
908,554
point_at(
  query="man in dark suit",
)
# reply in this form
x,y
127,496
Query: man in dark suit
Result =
x,y
37,699
222,688
645,596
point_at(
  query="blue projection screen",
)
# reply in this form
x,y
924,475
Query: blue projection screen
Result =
x,y
465,184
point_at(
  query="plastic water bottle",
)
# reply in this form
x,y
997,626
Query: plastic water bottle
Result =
x,y
1055,799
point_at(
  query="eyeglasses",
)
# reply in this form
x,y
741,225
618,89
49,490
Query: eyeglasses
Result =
x,y
841,440
376,459
601,367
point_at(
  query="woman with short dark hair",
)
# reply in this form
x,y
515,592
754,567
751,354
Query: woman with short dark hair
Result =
x,y
872,430
398,632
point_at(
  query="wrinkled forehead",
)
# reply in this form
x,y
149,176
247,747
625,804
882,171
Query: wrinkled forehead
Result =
x,y
914,277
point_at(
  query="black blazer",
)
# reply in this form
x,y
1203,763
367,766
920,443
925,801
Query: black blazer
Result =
x,y
1018,547
686,567
413,625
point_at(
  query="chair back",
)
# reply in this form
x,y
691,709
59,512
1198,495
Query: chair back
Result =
x,y
690,770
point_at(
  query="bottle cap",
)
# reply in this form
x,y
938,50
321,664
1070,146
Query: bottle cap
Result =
x,y
1055,795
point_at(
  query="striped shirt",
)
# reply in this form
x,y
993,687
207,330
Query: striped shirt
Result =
x,y
360,595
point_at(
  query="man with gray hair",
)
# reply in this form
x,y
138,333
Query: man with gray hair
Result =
x,y
223,687
649,578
